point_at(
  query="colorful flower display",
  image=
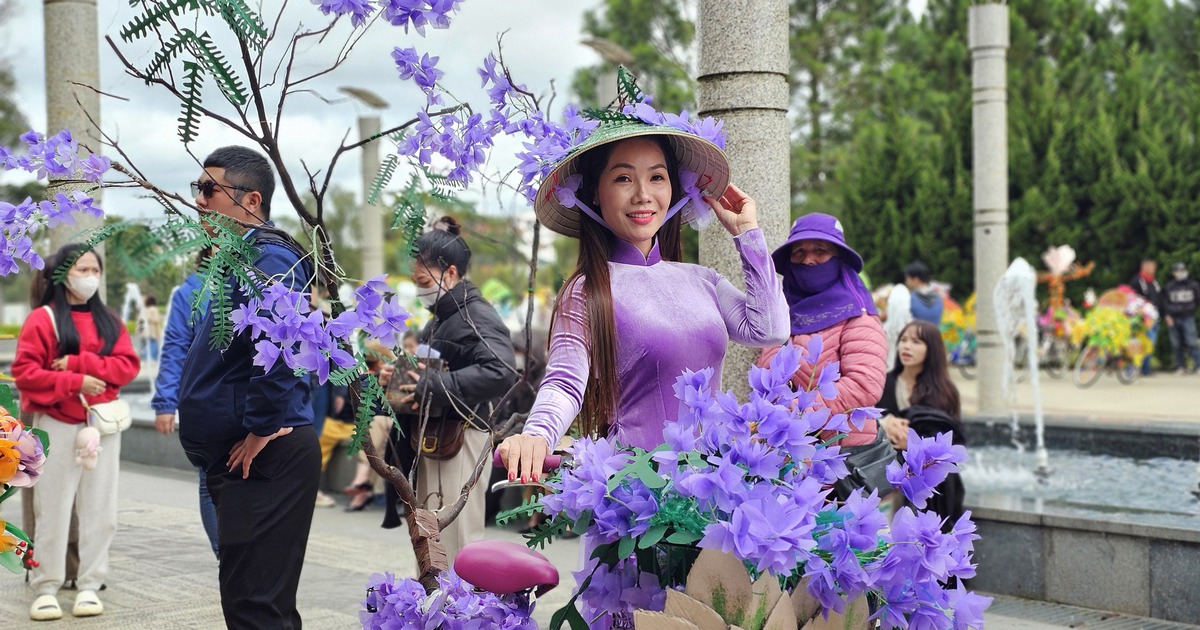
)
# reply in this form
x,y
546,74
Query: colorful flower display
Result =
x,y
22,456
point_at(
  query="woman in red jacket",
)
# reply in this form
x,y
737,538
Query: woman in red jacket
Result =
x,y
75,349
827,298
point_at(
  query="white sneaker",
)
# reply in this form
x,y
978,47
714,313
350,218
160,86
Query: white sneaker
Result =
x,y
45,608
87,604
324,500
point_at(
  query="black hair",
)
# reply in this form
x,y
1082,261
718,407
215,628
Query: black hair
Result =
x,y
442,246
150,300
54,295
917,269
246,168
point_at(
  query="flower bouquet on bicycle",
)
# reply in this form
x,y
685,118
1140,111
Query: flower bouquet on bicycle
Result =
x,y
1113,337
731,520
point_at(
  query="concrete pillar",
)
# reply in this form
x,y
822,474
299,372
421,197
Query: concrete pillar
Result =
x,y
989,41
371,219
744,80
72,55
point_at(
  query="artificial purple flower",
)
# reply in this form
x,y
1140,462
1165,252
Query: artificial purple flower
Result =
x,y
812,350
359,10
565,191
419,13
827,381
967,606
927,462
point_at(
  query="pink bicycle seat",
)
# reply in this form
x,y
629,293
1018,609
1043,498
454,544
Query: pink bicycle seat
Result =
x,y
504,567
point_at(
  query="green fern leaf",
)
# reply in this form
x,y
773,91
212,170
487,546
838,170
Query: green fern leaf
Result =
x,y
189,120
372,397
245,23
159,14
169,51
383,177
627,88
98,236
207,54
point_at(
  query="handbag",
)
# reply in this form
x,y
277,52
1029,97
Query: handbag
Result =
x,y
109,417
444,431
867,465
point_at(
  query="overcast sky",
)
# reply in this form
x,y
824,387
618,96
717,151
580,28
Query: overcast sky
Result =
x,y
541,45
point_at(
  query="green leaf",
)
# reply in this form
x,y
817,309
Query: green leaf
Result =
x,y
161,14
626,546
189,119
206,53
12,562
44,437
7,401
16,531
383,177
652,536
683,537
245,23
569,612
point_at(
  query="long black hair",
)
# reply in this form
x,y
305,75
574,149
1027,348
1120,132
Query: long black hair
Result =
x,y
54,295
596,244
933,387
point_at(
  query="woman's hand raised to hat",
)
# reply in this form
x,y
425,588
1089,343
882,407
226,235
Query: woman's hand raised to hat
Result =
x,y
735,210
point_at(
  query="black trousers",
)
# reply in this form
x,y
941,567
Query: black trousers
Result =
x,y
263,524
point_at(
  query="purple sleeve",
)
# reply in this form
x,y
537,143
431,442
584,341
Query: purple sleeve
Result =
x,y
758,317
568,363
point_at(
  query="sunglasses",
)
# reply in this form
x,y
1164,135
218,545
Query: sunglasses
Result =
x,y
210,187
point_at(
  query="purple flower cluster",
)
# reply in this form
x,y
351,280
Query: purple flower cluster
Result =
x,y
359,10
58,157
927,462
463,143
287,327
710,129
422,70
419,13
617,589
759,480
455,605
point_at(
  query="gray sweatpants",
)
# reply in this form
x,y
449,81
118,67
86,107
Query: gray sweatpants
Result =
x,y
93,493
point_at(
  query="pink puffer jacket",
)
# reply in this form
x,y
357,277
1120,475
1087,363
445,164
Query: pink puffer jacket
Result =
x,y
859,344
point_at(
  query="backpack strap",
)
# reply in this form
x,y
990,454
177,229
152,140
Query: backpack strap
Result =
x,y
53,322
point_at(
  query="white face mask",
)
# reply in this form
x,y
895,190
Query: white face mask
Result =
x,y
83,286
429,296
1181,275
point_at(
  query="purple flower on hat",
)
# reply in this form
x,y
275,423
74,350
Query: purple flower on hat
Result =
x,y
565,191
695,210
644,112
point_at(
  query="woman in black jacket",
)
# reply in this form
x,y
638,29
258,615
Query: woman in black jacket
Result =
x,y
476,357
919,395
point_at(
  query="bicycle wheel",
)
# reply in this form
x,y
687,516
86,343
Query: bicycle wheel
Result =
x,y
1056,358
1089,366
1127,371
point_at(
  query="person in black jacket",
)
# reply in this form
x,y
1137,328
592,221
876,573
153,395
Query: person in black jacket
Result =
x,y
1182,293
1145,284
477,353
919,395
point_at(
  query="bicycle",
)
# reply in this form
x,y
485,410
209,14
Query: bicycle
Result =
x,y
962,355
1094,359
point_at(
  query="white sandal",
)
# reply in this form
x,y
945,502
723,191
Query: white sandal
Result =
x,y
87,604
45,608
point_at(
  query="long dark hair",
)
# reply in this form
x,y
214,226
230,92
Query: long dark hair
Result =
x,y
933,387
595,248
54,295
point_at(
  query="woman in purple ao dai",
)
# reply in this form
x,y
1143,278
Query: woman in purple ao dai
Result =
x,y
632,317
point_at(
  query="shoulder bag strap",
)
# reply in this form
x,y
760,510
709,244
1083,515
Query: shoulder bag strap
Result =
x,y
53,322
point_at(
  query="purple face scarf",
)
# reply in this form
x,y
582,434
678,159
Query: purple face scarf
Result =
x,y
814,308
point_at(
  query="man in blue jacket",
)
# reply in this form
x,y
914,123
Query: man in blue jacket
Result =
x,y
251,430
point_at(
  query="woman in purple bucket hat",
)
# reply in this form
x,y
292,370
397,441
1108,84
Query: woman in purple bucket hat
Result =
x,y
826,297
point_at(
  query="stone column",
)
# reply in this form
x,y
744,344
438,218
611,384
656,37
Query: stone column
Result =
x,y
988,34
744,81
72,56
372,214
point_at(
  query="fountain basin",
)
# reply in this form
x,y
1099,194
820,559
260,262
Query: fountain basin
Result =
x,y
1114,527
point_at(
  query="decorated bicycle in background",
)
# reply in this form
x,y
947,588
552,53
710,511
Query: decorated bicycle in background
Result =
x,y
1113,337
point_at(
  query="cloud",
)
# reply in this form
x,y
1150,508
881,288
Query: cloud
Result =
x,y
541,45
